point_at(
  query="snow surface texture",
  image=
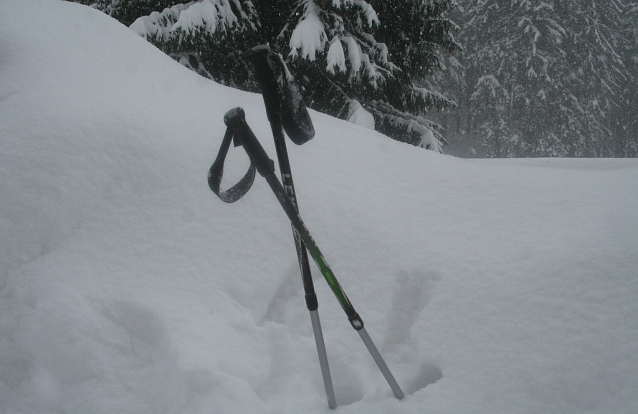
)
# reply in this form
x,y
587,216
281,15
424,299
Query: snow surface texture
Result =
x,y
126,286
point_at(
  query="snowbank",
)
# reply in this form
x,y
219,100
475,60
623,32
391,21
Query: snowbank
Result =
x,y
126,286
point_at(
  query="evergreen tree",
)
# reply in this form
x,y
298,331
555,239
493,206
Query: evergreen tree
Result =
x,y
349,61
543,77
418,46
127,11
625,117
594,49
207,36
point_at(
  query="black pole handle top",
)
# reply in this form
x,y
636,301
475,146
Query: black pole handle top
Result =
x,y
260,58
284,103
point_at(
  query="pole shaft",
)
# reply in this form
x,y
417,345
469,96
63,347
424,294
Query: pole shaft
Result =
x,y
376,355
289,187
323,359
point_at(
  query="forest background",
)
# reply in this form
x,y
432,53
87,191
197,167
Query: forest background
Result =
x,y
472,78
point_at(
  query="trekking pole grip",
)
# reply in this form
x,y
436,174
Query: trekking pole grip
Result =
x,y
236,120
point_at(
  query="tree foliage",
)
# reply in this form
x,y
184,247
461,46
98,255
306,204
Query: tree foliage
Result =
x,y
355,59
548,77
207,36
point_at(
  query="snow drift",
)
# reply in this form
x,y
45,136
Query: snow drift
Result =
x,y
127,286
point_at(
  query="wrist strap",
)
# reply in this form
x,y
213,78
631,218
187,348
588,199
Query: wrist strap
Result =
x,y
216,172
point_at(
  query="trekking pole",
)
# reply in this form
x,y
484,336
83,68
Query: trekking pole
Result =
x,y
261,59
236,122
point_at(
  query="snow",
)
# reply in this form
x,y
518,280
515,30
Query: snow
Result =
x,y
158,25
371,15
309,36
489,286
354,54
200,16
359,116
428,140
335,56
183,20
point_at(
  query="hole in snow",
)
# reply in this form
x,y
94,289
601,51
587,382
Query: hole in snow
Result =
x,y
348,385
428,374
348,394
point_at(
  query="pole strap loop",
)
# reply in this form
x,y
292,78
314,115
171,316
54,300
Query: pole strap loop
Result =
x,y
216,172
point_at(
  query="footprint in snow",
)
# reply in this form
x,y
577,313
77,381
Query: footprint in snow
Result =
x,y
414,291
